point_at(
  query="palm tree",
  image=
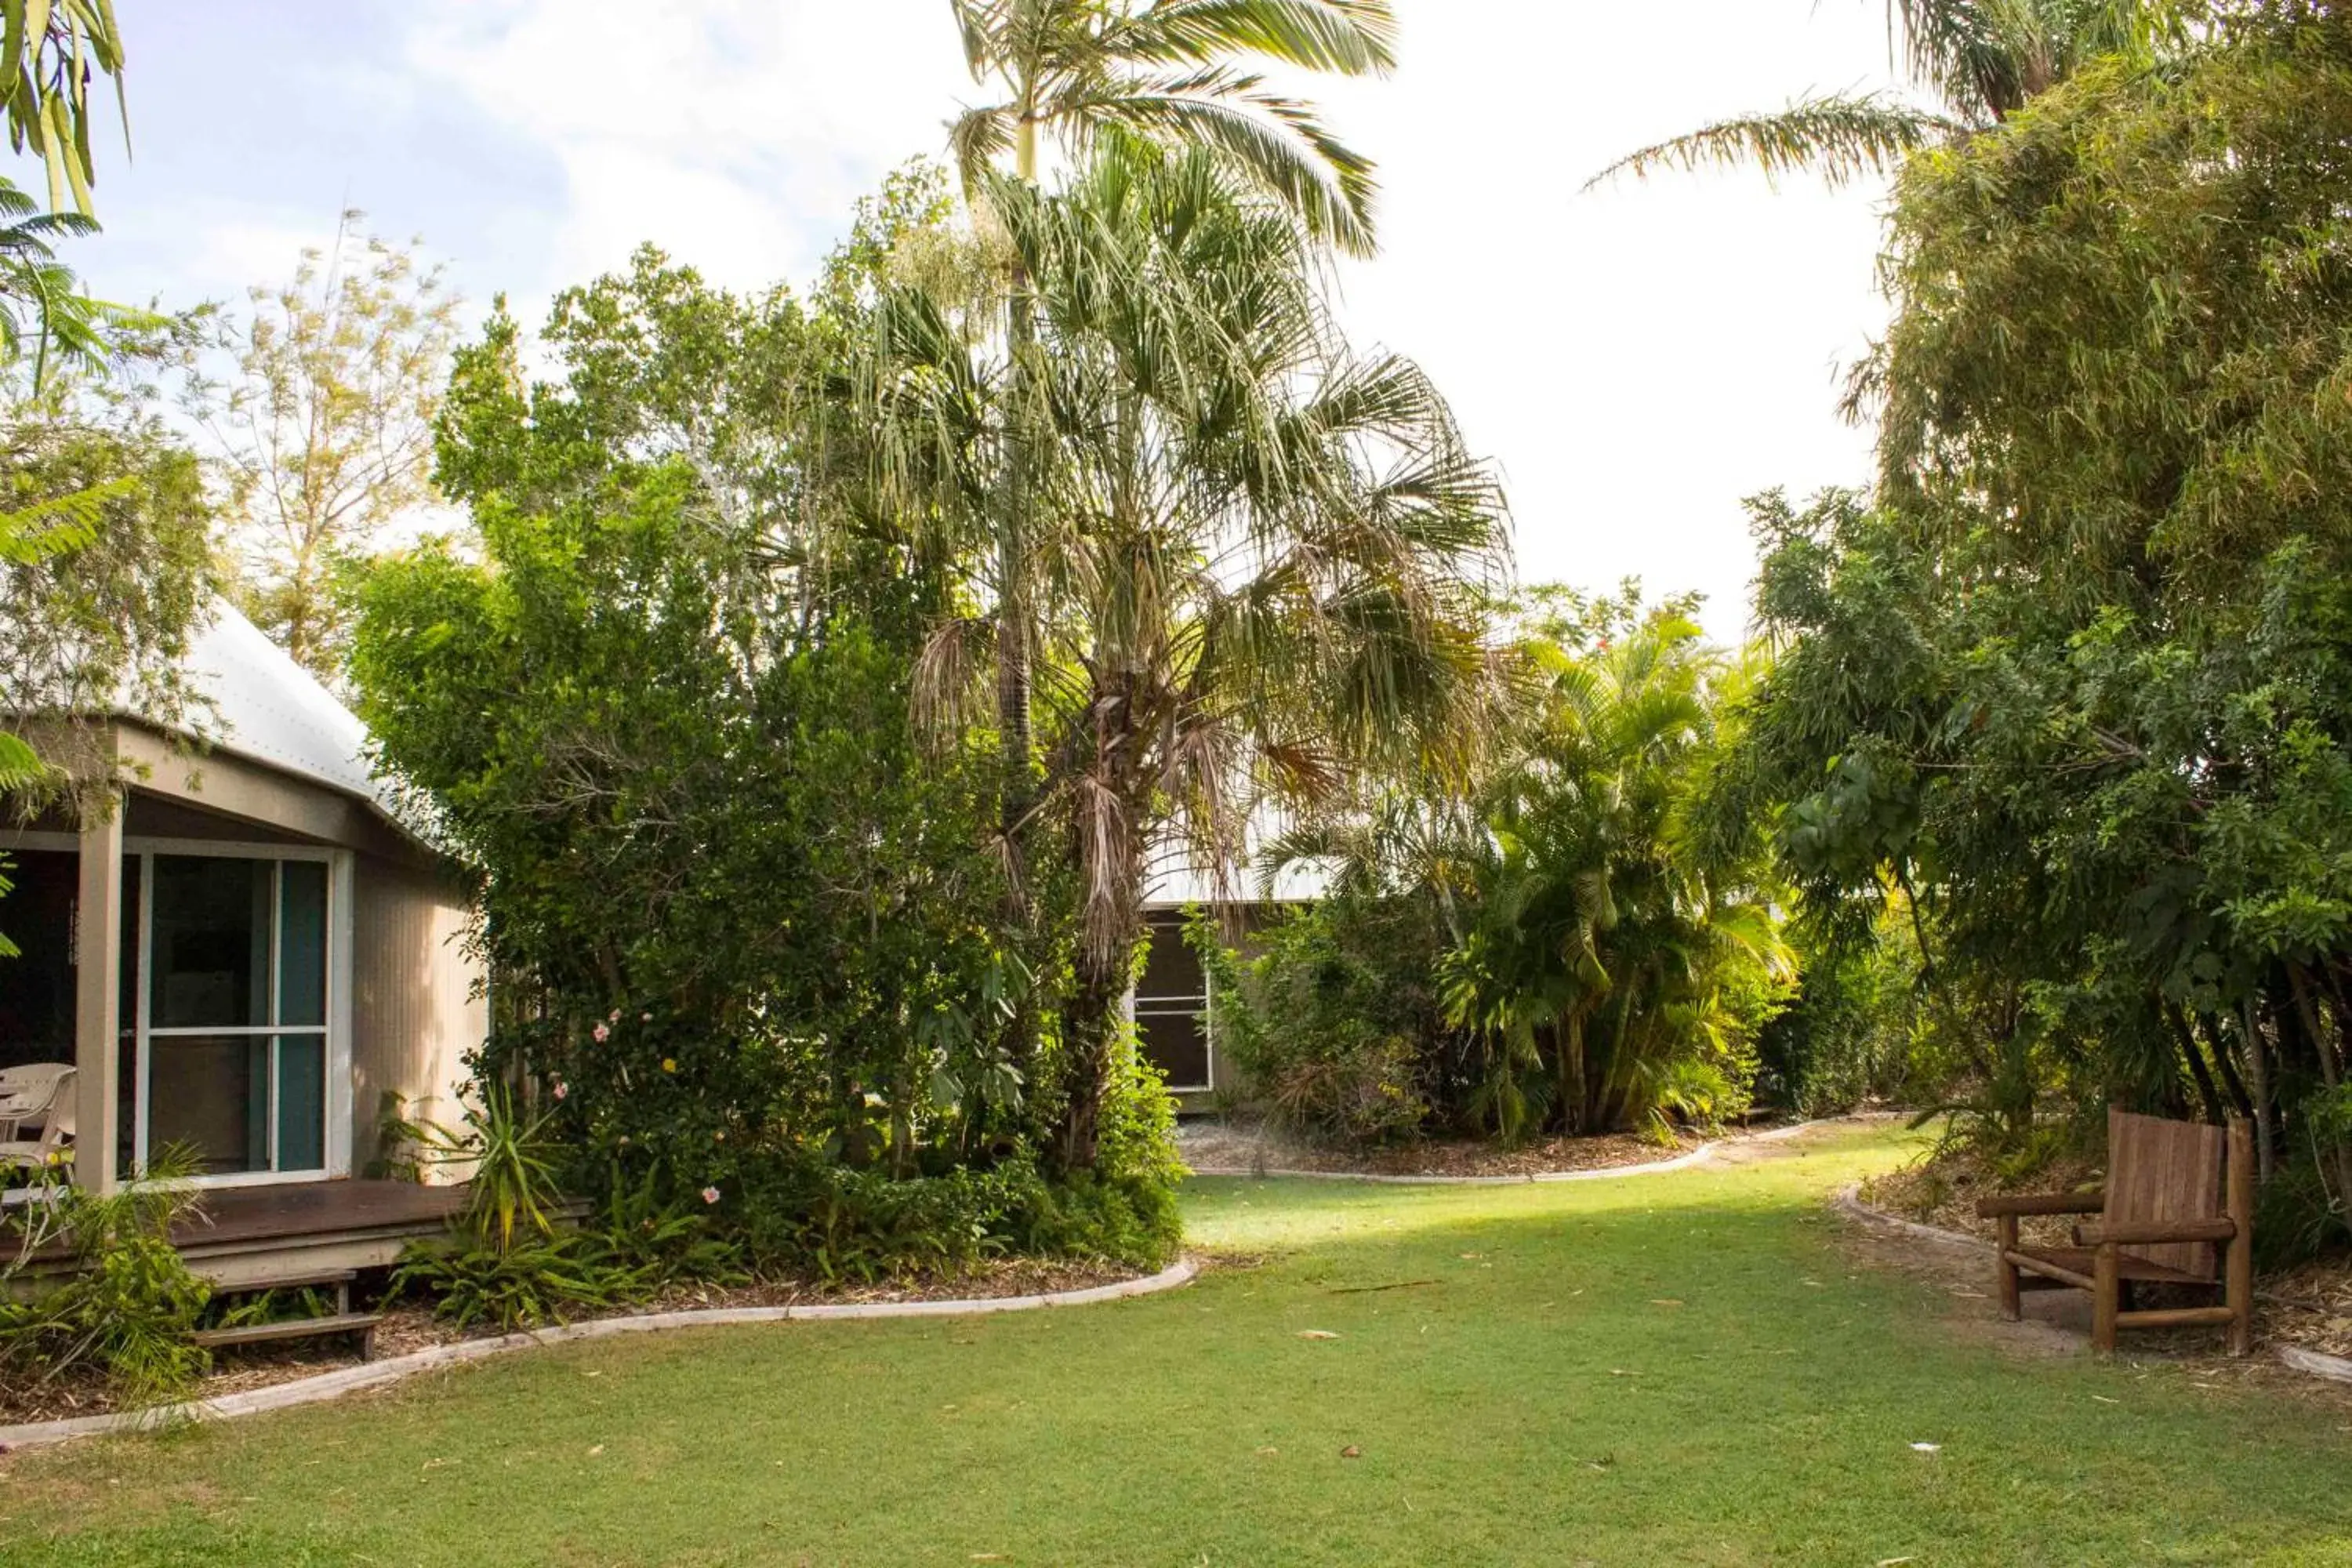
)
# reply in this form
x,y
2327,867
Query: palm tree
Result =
x,y
1255,550
1606,945
1163,72
1980,61
42,309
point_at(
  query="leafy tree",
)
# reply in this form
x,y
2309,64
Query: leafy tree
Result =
x,y
325,426
105,569
738,911
1980,61
2073,681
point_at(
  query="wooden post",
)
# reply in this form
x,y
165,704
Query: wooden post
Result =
x,y
98,981
2004,1271
2238,1255
2106,1280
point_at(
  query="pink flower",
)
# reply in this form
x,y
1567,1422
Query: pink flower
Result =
x,y
614,1017
560,1091
601,1034
710,1195
645,1018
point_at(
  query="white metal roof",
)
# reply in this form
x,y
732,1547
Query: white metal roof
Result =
x,y
259,703
1179,882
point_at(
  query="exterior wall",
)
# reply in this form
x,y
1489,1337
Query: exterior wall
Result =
x,y
418,1005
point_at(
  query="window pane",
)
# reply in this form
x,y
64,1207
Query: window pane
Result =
x,y
210,1094
1171,967
210,965
302,942
301,1103
1178,1045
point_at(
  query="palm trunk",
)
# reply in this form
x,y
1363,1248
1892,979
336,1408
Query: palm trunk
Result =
x,y
1016,794
1571,1070
1110,852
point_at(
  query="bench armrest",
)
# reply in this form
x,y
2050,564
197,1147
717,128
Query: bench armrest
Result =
x,y
2152,1232
2042,1202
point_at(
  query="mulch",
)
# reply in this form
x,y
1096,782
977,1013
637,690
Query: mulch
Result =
x,y
408,1328
1243,1146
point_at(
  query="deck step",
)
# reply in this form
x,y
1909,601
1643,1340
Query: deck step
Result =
x,y
361,1323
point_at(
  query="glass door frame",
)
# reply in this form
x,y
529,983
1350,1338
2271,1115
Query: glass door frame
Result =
x,y
337,1031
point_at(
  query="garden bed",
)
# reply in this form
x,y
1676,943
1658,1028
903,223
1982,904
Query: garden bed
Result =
x,y
1219,1147
411,1328
2309,1307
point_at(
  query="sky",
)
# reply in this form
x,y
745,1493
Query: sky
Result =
x,y
1635,360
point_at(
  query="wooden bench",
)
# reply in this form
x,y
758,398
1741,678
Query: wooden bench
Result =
x,y
2176,1192
342,1321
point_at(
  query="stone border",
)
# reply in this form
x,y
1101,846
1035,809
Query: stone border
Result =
x,y
1682,1162
2316,1363
375,1375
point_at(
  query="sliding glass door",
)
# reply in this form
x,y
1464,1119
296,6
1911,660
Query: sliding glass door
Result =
x,y
233,1026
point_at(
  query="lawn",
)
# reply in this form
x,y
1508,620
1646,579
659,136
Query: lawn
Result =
x,y
1674,1369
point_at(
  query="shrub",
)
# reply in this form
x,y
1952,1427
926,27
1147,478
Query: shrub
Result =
x,y
128,1311
505,1262
473,1281
1104,1220
1334,1023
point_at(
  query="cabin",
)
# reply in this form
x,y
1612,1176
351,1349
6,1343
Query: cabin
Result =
x,y
243,961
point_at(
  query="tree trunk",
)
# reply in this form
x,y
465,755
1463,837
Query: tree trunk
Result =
x,y
1109,850
1016,796
2258,1081
1571,1070
2330,1071
1090,1023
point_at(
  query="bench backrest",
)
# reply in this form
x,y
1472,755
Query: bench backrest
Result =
x,y
2160,1169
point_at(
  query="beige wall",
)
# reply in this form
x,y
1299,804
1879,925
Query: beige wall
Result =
x,y
417,1006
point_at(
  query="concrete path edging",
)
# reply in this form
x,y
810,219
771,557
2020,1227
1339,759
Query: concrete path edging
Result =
x,y
2316,1363
375,1375
1682,1162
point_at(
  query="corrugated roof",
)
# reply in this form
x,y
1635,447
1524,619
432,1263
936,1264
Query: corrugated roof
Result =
x,y
1174,885
259,703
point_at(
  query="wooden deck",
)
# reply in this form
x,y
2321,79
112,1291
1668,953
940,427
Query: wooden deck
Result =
x,y
246,1238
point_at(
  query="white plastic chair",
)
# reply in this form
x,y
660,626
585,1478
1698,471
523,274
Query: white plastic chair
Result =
x,y
53,1144
29,1090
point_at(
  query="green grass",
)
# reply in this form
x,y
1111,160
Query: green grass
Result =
x,y
1535,1403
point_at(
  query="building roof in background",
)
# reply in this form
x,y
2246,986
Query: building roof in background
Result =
x,y
1175,883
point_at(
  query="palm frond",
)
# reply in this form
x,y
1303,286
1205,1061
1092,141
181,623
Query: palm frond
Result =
x,y
976,139
1279,141
1347,38
1840,137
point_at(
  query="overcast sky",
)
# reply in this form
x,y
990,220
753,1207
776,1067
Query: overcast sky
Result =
x,y
1636,359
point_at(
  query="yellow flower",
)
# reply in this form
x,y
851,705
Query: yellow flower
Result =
x,y
669,1063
